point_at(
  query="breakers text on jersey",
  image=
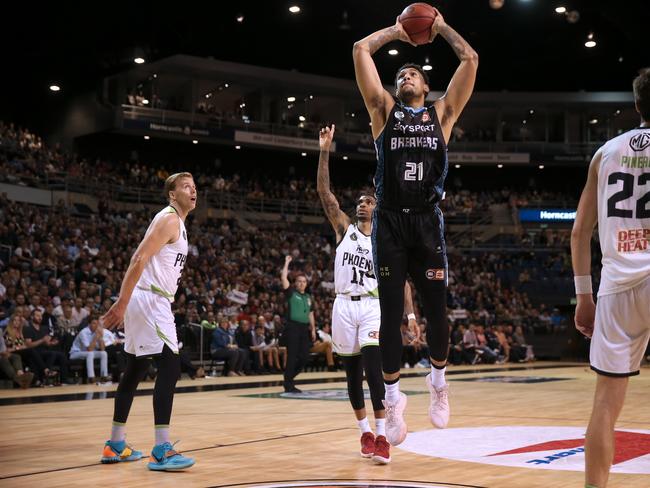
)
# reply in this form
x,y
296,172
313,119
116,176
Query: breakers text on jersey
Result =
x,y
426,142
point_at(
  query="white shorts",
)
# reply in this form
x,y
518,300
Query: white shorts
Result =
x,y
621,331
355,324
149,324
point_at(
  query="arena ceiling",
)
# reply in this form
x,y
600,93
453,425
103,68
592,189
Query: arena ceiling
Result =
x,y
523,46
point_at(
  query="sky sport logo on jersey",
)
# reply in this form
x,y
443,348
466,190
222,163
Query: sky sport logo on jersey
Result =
x,y
547,447
640,141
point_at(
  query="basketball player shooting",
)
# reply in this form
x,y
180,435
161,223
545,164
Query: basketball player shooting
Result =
x,y
144,305
408,232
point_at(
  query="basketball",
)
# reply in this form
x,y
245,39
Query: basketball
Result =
x,y
417,20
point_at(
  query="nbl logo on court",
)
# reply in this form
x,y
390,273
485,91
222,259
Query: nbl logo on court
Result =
x,y
640,141
535,447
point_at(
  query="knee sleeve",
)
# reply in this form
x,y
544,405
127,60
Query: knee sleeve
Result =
x,y
372,366
391,299
433,297
135,371
169,369
354,376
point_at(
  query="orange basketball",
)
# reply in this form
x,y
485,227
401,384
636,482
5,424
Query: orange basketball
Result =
x,y
417,20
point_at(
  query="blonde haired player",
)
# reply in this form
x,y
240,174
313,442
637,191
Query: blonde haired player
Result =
x,y
617,196
356,315
144,305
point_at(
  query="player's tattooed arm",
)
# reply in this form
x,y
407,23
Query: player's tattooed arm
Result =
x,y
378,101
335,215
460,88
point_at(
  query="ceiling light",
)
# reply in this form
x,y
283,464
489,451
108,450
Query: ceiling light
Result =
x,y
499,166
291,99
345,158
146,138
541,166
531,111
427,67
590,40
560,10
303,154
55,88
393,52
302,118
145,101
618,112
620,59
138,60
225,85
593,121
523,121
457,166
311,97
240,18
237,147
352,115
194,141
294,9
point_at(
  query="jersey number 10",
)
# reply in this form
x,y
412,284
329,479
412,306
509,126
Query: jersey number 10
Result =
x,y
412,169
642,210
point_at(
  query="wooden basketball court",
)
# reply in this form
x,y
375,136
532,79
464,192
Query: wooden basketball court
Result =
x,y
242,433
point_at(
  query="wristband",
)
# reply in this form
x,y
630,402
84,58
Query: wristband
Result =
x,y
411,316
583,285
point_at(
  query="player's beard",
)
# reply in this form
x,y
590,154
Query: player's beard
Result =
x,y
406,95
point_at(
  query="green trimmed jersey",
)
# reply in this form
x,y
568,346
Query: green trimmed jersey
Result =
x,y
299,305
162,274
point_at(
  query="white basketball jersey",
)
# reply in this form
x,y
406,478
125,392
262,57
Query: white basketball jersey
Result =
x,y
162,273
624,211
354,272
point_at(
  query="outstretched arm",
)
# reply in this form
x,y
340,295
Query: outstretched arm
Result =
x,y
451,104
378,101
336,216
284,276
583,228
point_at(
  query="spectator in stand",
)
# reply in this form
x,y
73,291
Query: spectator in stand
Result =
x,y
224,347
244,339
323,345
90,344
45,346
11,365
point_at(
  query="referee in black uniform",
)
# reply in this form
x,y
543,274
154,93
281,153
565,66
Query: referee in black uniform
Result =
x,y
408,232
300,330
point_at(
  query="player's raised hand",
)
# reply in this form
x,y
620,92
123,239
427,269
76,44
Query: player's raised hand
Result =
x,y
403,36
287,260
438,23
325,137
114,316
585,315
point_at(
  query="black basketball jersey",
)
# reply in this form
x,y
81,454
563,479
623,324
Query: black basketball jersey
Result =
x,y
411,159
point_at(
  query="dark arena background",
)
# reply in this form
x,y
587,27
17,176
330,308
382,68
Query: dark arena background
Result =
x,y
103,101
